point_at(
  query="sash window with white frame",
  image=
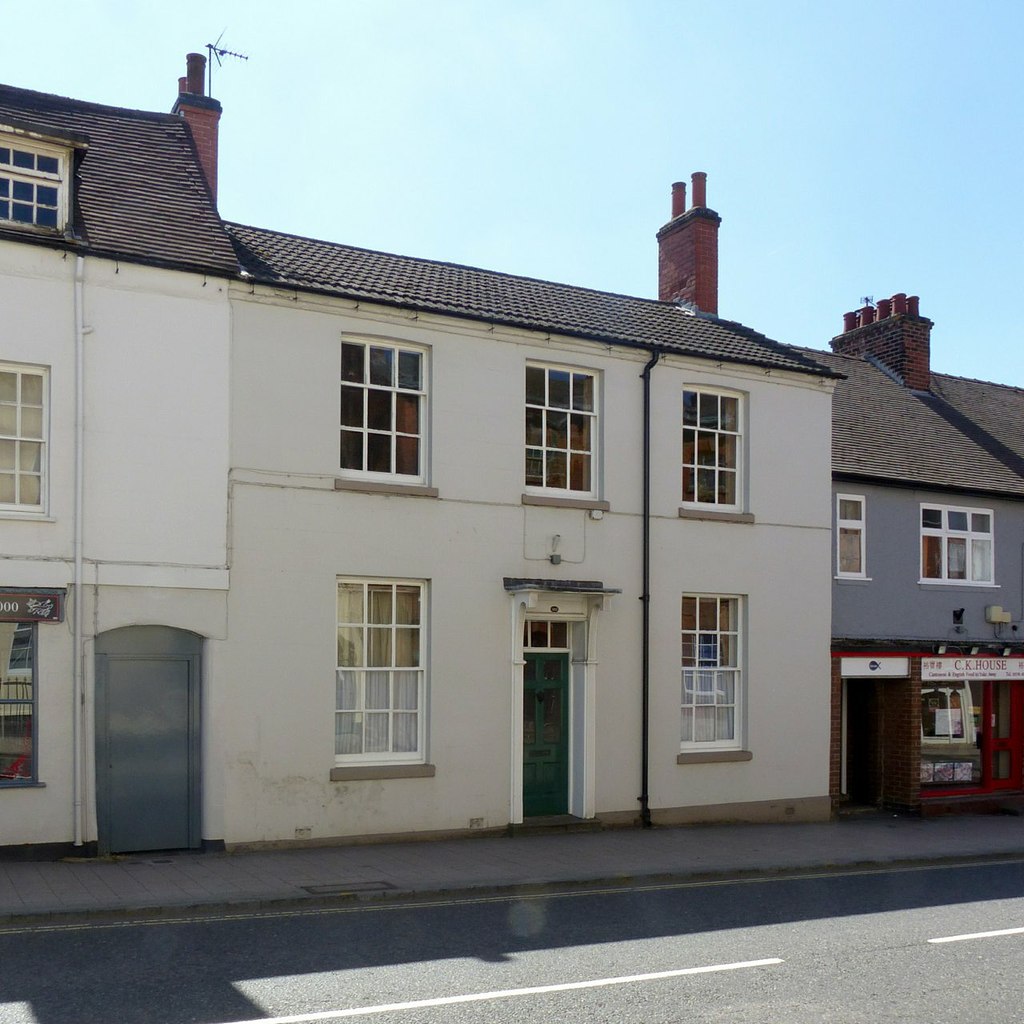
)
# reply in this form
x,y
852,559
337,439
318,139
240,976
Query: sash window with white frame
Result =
x,y
711,674
712,449
380,677
850,538
383,411
33,183
956,544
561,430
23,425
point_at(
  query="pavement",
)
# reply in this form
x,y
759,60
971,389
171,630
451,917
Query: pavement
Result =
x,y
172,884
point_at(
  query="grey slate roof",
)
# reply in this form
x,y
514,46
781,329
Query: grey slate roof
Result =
x,y
139,192
429,286
966,435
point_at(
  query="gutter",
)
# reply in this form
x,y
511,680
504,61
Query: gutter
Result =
x,y
645,598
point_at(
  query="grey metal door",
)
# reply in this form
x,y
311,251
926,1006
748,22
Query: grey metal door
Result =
x,y
147,739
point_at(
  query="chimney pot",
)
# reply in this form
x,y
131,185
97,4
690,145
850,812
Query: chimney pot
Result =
x,y
688,250
700,188
678,199
899,303
913,305
182,85
884,309
196,65
849,322
867,316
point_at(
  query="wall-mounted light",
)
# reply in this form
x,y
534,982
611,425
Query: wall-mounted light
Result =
x,y
941,649
974,650
958,616
1006,652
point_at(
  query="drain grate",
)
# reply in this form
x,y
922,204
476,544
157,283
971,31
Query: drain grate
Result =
x,y
339,888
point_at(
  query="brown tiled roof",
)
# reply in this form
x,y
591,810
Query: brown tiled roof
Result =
x,y
964,435
139,192
306,264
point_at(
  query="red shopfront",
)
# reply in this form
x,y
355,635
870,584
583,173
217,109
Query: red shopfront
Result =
x,y
972,725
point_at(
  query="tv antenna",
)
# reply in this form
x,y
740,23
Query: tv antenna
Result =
x,y
867,300
216,51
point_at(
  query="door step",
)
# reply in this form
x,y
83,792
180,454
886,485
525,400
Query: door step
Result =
x,y
549,824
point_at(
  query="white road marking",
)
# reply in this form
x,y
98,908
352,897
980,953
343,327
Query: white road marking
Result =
x,y
511,993
979,935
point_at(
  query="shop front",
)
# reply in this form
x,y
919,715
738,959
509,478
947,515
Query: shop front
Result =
x,y
972,725
927,733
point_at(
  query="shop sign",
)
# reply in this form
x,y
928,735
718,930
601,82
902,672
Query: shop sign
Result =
x,y
32,606
943,669
863,668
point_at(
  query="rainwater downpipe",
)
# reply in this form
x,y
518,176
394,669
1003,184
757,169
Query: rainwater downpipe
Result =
x,y
78,666
645,598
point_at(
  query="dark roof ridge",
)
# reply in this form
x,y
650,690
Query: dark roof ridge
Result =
x,y
65,101
978,380
484,270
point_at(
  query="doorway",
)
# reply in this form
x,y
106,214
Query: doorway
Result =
x,y
147,739
545,734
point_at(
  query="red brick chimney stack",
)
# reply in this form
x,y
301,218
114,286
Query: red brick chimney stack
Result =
x,y
894,333
202,113
688,249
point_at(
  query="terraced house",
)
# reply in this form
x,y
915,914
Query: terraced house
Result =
x,y
338,543
928,505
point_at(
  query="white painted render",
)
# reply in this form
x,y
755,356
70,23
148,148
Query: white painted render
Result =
x,y
156,348
293,534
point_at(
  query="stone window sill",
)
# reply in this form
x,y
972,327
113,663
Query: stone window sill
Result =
x,y
556,502
375,487
713,756
716,517
357,773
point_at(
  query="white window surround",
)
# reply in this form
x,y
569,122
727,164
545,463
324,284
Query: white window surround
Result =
x,y
383,413
34,183
713,449
851,536
24,429
712,678
957,545
380,689
561,431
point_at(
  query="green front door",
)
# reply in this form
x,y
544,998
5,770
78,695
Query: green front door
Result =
x,y
545,734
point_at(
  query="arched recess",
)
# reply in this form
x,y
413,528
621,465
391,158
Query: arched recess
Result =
x,y
148,786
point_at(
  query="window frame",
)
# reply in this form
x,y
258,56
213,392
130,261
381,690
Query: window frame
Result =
x,y
851,525
946,533
594,418
390,756
32,778
739,434
367,386
19,438
734,666
59,180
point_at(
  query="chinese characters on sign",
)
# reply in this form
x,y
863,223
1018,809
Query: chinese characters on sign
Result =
x,y
32,606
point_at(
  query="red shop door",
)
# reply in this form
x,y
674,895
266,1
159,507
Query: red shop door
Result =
x,y
1003,724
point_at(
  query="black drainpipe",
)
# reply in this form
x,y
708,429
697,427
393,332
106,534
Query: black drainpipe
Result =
x,y
645,597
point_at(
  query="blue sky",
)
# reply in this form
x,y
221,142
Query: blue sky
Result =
x,y
851,149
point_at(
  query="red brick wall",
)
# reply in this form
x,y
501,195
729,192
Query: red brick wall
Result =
x,y
688,259
902,342
204,123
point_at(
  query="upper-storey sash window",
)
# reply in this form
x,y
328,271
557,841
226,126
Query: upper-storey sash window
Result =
x,y
383,400
561,429
956,544
32,184
22,438
712,449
